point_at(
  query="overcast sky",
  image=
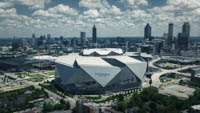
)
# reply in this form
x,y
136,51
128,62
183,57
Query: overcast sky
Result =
x,y
22,18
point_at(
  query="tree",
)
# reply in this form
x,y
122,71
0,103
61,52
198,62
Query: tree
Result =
x,y
150,82
120,97
74,110
135,100
58,106
48,107
153,107
67,106
122,106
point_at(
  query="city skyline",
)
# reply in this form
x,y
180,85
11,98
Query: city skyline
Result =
x,y
126,18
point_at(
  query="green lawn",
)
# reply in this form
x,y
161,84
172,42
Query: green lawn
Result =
x,y
185,71
169,67
51,73
169,77
157,64
36,75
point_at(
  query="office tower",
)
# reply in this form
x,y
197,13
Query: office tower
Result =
x,y
33,40
33,36
170,35
83,35
165,36
120,41
183,38
61,39
74,41
48,37
186,28
94,35
147,32
183,41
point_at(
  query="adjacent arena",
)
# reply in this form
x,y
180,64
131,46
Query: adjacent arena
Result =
x,y
99,71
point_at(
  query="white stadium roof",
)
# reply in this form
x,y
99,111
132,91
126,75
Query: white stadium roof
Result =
x,y
100,69
70,59
104,51
96,61
124,59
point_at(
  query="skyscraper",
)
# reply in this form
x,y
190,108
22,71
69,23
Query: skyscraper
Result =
x,y
94,34
186,28
147,32
170,35
183,38
83,35
33,40
182,41
48,38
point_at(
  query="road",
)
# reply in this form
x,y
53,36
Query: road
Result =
x,y
156,76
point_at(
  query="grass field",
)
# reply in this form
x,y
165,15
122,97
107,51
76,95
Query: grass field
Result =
x,y
36,75
51,73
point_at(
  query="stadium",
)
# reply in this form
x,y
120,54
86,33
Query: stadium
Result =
x,y
99,71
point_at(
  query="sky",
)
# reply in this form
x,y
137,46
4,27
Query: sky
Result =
x,y
125,18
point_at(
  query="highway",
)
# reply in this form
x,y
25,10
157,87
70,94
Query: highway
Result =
x,y
156,76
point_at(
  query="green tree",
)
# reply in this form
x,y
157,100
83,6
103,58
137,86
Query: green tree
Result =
x,y
150,82
59,106
135,100
74,110
120,97
48,107
122,106
153,107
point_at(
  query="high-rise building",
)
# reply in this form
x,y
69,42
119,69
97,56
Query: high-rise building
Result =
x,y
74,41
170,35
94,34
165,36
183,38
120,41
183,41
33,40
83,35
61,38
147,32
48,36
186,28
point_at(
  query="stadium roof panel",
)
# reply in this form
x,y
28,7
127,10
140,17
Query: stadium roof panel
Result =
x,y
68,59
101,51
96,61
125,59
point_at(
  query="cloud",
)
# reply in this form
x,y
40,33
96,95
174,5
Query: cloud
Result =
x,y
93,4
5,4
8,13
184,3
113,10
33,4
111,19
93,13
43,13
134,3
57,16
63,9
57,11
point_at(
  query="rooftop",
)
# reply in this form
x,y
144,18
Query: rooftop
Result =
x,y
101,51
